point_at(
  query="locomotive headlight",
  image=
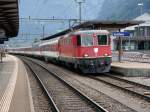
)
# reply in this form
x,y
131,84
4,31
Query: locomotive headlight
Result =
x,y
86,55
106,54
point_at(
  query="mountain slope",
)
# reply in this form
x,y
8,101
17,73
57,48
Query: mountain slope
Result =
x,y
122,9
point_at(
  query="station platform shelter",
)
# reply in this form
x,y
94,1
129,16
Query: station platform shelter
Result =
x,y
9,21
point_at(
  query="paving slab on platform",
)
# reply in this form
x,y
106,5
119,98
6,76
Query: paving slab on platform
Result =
x,y
131,69
14,88
6,69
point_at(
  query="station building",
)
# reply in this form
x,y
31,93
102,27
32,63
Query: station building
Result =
x,y
139,38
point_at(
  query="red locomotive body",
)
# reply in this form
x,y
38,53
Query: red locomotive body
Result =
x,y
88,50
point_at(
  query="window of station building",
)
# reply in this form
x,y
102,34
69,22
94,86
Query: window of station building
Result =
x,y
102,39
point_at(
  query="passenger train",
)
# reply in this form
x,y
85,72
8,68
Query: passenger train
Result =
x,y
86,50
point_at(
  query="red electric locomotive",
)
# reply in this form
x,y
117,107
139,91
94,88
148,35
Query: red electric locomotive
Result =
x,y
87,50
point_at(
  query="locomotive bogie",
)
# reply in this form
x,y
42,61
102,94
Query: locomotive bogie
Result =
x,y
97,65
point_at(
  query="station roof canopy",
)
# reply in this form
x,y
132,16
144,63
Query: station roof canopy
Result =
x,y
108,24
97,25
9,17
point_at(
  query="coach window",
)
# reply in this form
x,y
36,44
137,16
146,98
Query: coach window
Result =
x,y
47,48
68,41
64,42
102,39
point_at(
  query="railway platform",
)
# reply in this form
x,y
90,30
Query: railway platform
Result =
x,y
131,69
15,95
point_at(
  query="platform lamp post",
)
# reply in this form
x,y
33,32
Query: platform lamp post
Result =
x,y
138,28
80,8
141,7
43,30
1,55
120,48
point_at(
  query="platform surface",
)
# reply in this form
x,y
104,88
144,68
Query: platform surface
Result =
x,y
136,65
131,68
15,95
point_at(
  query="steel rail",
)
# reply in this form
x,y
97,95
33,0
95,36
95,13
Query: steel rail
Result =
x,y
146,98
52,103
128,81
81,94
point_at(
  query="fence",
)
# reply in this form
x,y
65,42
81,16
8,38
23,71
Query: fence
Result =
x,y
132,56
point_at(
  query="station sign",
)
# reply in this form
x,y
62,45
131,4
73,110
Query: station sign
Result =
x,y
122,34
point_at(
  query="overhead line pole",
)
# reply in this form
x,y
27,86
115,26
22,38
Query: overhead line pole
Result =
x,y
80,9
141,7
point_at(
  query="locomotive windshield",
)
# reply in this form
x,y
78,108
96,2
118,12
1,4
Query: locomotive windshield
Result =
x,y
102,39
87,40
84,40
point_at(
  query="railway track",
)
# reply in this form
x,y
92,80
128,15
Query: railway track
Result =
x,y
63,97
133,88
41,102
102,99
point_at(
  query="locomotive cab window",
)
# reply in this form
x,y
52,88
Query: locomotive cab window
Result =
x,y
78,40
102,39
87,40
